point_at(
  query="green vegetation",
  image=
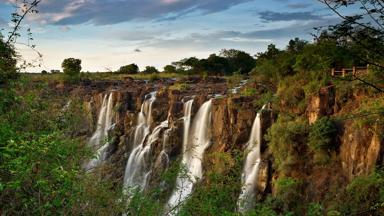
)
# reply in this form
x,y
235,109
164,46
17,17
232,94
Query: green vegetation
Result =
x,y
180,86
322,138
71,68
8,62
170,69
229,62
129,69
42,149
40,164
287,142
150,70
218,193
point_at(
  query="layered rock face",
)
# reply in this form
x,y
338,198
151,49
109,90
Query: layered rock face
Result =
x,y
360,150
232,117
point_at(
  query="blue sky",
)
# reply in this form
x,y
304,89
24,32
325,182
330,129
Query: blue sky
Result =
x,y
106,34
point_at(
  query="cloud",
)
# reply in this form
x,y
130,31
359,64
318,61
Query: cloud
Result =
x,y
298,5
271,16
3,23
103,12
64,28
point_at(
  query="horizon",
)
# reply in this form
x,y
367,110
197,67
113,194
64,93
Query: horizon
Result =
x,y
157,33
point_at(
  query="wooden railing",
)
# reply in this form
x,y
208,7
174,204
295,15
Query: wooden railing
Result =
x,y
355,71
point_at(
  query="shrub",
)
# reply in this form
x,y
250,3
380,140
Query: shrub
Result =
x,y
289,196
8,62
129,69
363,196
292,94
322,136
180,86
287,142
71,66
170,69
249,92
150,70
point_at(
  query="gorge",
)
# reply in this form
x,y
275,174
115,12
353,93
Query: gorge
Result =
x,y
157,127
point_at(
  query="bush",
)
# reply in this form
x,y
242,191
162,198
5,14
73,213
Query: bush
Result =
x,y
129,69
8,62
249,92
150,70
71,68
322,136
170,69
287,142
363,196
40,162
292,94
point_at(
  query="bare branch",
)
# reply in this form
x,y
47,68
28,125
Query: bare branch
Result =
x,y
17,26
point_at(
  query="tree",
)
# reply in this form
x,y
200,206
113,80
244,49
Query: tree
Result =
x,y
239,61
170,69
150,70
215,64
129,69
8,55
44,72
8,62
296,45
362,33
71,66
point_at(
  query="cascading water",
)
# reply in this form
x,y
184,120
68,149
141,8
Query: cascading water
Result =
x,y
99,138
251,167
194,146
138,167
236,90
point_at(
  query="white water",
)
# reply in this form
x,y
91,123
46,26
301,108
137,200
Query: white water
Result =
x,y
138,166
163,158
99,138
236,90
251,168
194,146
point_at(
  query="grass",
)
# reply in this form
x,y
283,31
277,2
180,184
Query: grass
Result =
x,y
101,76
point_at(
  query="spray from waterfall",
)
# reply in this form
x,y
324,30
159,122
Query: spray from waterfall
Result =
x,y
99,138
194,146
251,167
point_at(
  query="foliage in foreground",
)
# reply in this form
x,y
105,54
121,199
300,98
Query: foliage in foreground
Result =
x,y
40,162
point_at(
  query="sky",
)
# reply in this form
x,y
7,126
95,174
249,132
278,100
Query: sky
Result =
x,y
106,34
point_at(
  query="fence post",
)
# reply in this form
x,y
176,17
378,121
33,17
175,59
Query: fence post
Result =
x,y
333,72
354,71
343,72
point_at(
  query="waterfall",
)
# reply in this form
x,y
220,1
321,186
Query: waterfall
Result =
x,y
236,89
99,138
138,165
194,147
251,167
187,121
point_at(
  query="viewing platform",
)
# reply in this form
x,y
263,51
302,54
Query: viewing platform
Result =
x,y
354,71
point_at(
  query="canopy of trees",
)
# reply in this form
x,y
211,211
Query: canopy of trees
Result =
x,y
170,69
71,66
227,63
8,61
150,70
129,69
